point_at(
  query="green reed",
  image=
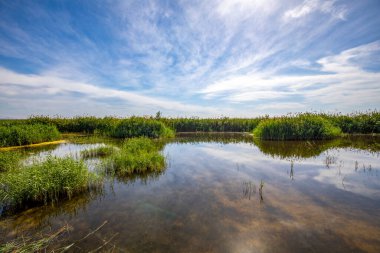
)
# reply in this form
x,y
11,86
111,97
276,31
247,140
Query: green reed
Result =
x,y
300,127
9,160
136,156
101,151
46,182
24,134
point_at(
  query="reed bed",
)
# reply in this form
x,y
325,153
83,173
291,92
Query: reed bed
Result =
x,y
139,127
46,182
9,160
136,156
300,127
25,134
101,151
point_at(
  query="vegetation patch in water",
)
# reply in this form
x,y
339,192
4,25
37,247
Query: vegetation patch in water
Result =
x,y
46,182
24,134
101,151
301,127
136,156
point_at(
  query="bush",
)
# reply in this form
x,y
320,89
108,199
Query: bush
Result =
x,y
301,127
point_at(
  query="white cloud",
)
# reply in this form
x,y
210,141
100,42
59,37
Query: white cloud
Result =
x,y
44,84
310,6
342,81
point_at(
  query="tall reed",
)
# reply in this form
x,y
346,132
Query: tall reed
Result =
x,y
300,127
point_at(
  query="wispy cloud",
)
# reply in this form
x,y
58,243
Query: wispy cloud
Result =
x,y
337,82
235,57
309,6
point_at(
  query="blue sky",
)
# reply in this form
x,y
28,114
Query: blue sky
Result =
x,y
188,58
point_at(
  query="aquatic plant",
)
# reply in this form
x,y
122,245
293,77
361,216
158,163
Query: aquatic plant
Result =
x,y
24,134
26,244
300,127
9,160
136,156
101,151
138,127
212,124
46,182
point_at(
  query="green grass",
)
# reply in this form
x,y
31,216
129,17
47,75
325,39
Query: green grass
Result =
x,y
136,156
24,134
46,182
101,151
9,160
300,127
140,127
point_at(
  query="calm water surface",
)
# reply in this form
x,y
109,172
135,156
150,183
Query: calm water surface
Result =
x,y
316,197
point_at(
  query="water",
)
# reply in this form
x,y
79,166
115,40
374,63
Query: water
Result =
x,y
316,197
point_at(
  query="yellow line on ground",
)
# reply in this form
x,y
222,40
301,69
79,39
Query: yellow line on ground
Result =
x,y
33,145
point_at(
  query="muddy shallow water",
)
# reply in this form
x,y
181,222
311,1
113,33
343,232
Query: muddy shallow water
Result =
x,y
315,197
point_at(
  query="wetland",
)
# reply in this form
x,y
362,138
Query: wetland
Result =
x,y
219,193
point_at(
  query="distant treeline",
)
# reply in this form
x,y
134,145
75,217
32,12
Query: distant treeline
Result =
x,y
295,126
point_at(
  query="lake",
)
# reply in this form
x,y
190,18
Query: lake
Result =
x,y
224,193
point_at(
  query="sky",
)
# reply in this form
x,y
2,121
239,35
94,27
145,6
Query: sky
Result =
x,y
214,58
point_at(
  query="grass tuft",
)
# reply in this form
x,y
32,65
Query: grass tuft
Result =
x,y
101,151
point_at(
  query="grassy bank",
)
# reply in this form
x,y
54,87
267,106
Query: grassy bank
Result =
x,y
25,134
136,156
300,127
45,182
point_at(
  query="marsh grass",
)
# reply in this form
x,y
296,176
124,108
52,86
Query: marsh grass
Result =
x,y
9,160
140,127
24,134
102,151
136,156
46,182
300,127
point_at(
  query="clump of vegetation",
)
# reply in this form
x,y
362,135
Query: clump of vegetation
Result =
x,y
137,127
301,127
24,134
136,156
46,182
9,160
101,151
356,123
